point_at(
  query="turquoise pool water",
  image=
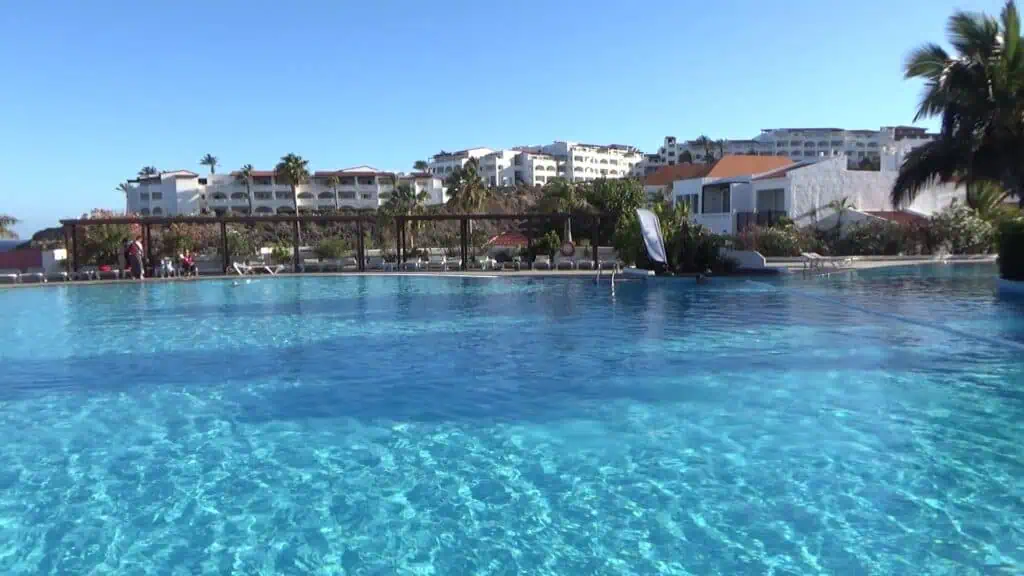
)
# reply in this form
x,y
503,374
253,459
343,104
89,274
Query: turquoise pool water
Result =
x,y
861,424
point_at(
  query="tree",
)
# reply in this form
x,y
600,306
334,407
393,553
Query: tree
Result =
x,y
685,157
211,161
720,145
840,206
404,201
560,195
244,177
421,166
148,171
333,182
123,188
978,93
7,227
708,146
987,199
466,190
294,170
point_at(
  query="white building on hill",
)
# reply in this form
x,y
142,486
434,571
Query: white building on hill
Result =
x,y
797,144
539,164
184,192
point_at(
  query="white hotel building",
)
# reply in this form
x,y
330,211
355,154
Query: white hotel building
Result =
x,y
798,144
185,192
536,165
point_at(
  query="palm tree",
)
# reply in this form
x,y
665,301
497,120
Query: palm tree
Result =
x,y
685,157
211,161
294,170
421,166
123,188
720,144
561,195
708,145
979,95
466,190
987,199
148,171
404,201
244,177
840,206
7,226
333,182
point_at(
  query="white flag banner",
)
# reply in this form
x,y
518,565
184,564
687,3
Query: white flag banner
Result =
x,y
650,228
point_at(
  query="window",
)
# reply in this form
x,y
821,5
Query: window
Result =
x,y
367,196
305,195
347,195
325,196
716,199
157,196
347,181
263,195
540,178
578,158
238,196
772,200
261,181
283,195
263,209
689,200
219,196
143,196
366,181
144,211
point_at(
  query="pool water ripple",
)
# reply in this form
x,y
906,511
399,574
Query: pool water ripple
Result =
x,y
500,426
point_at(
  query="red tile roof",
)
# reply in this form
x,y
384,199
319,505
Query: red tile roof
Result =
x,y
743,165
509,239
782,172
899,217
668,174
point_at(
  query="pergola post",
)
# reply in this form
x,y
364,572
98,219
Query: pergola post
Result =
x,y
295,243
398,242
74,248
464,243
360,247
224,245
147,237
595,239
67,247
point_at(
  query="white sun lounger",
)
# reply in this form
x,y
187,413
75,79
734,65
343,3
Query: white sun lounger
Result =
x,y
378,263
564,262
10,275
542,262
813,260
33,275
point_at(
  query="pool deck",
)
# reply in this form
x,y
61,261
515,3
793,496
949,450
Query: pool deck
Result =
x,y
786,265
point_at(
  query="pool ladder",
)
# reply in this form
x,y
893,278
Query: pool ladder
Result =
x,y
597,280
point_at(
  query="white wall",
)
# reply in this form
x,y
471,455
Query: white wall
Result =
x,y
814,186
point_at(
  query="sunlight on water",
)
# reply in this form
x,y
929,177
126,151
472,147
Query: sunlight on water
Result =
x,y
860,424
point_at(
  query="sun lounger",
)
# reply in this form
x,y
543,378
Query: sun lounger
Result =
x,y
378,263
57,276
436,262
33,275
348,264
10,275
542,262
86,273
564,262
413,265
452,263
813,260
112,274
241,268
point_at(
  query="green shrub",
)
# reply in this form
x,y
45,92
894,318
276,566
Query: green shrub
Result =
x,y
331,249
547,244
960,230
281,253
1011,250
876,238
771,242
628,240
696,249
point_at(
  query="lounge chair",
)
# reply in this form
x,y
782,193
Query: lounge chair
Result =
x,y
33,275
57,276
542,262
585,261
241,268
378,263
111,274
564,262
413,265
813,260
436,262
10,275
452,263
87,273
348,264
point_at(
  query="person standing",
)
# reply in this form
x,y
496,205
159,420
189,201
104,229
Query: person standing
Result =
x,y
135,258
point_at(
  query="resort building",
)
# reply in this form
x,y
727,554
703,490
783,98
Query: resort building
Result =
x,y
798,144
738,191
184,192
539,164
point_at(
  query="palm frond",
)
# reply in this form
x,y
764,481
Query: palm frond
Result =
x,y
935,161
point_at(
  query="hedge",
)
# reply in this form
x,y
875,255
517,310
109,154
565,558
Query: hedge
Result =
x,y
1011,250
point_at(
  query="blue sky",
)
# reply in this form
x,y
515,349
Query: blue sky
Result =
x,y
94,90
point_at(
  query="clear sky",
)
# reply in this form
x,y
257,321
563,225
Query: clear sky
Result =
x,y
93,90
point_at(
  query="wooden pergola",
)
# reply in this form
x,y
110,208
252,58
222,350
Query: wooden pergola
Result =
x,y
361,221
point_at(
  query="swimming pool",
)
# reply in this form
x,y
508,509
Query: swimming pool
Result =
x,y
859,424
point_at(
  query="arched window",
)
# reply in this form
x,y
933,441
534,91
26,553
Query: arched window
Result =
x,y
157,211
